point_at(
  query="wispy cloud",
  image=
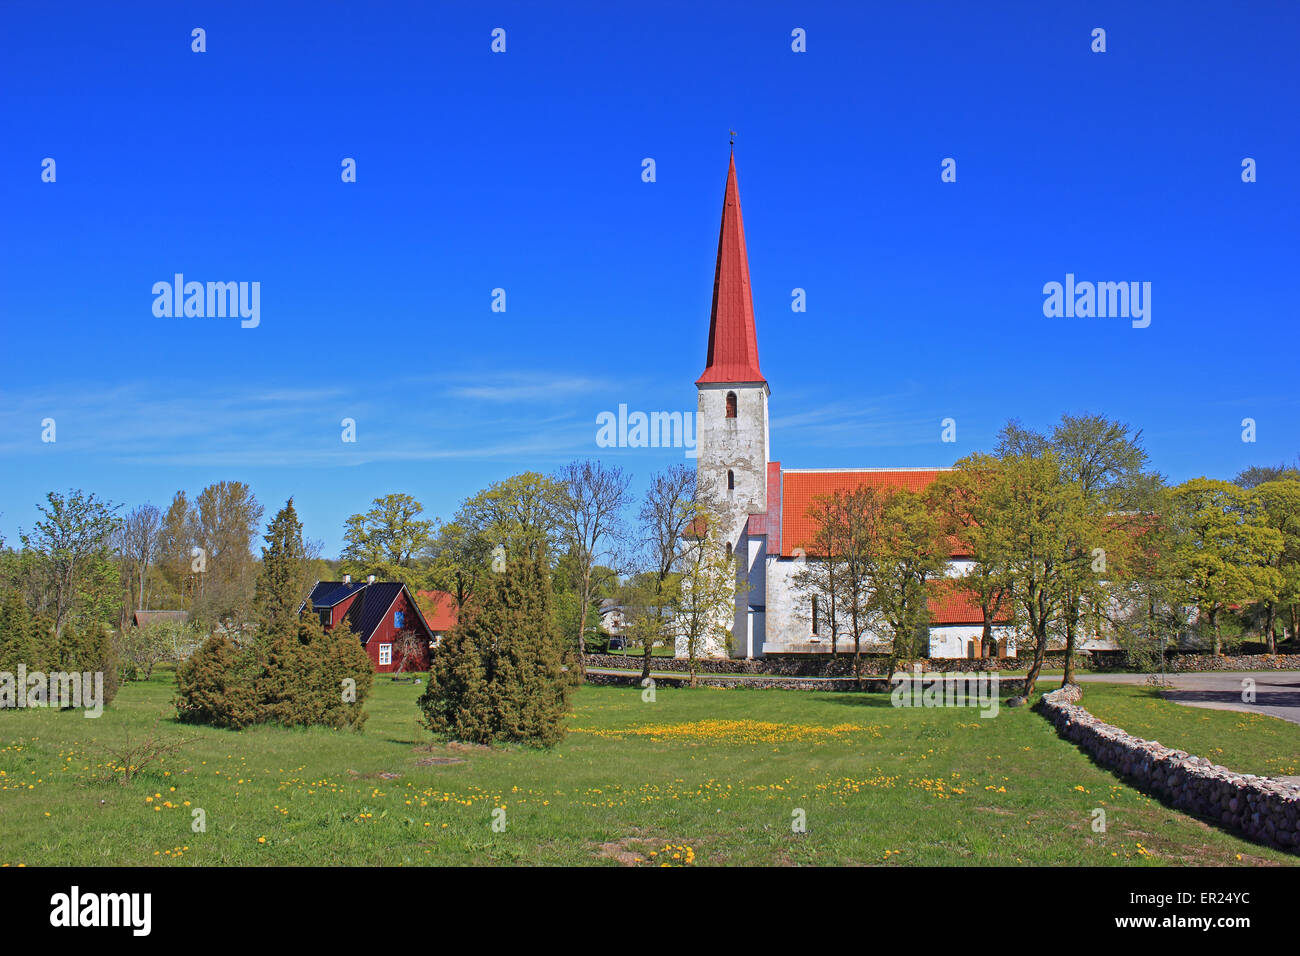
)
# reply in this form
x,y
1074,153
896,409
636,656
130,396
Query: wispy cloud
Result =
x,y
528,387
188,424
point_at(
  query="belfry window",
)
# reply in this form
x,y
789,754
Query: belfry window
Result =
x,y
731,480
731,404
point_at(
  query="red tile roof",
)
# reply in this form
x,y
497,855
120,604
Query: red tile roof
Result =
x,y
733,343
800,488
950,604
442,614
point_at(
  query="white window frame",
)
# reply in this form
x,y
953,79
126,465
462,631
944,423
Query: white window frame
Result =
x,y
385,655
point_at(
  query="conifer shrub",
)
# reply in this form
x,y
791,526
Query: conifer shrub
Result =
x,y
499,674
28,639
297,677
294,673
215,686
93,651
19,631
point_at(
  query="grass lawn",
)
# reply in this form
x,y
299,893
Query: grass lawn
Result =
x,y
1247,743
719,771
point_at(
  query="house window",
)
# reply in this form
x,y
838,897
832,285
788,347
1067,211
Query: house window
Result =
x,y
731,404
399,620
731,480
385,654
814,610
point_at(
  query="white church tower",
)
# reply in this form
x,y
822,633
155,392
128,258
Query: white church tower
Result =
x,y
732,425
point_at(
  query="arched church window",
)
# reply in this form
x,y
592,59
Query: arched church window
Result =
x,y
731,480
731,404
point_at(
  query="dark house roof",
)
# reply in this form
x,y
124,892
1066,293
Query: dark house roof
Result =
x,y
328,593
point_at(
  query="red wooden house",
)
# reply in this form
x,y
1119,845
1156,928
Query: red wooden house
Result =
x,y
382,614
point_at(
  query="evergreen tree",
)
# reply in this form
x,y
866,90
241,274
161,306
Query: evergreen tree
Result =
x,y
295,673
18,635
281,581
213,686
499,674
94,652
303,673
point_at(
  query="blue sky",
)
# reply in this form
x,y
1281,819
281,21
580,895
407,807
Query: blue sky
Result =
x,y
522,171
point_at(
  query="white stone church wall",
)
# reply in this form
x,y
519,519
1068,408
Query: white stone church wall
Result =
x,y
789,617
951,640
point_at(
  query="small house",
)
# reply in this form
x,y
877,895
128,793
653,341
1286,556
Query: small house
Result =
x,y
383,615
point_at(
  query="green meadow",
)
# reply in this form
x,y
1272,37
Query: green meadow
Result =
x,y
697,777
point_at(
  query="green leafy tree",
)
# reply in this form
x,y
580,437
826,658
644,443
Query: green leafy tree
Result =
x,y
1104,459
1280,500
1036,516
1224,549
520,514
704,598
910,550
1256,475
223,522
71,539
963,501
460,555
386,540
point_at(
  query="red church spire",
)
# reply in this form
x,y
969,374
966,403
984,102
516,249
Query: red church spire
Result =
x,y
733,344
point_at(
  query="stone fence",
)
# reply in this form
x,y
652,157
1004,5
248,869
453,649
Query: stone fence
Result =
x,y
874,664
750,681
874,684
1179,663
1262,809
839,666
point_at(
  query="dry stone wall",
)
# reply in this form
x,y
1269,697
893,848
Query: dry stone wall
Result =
x,y
805,666
1260,808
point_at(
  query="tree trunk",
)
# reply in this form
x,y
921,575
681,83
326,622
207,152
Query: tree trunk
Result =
x,y
1040,653
645,661
1068,677
584,602
857,650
